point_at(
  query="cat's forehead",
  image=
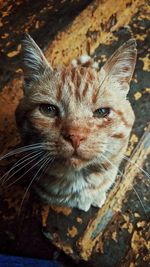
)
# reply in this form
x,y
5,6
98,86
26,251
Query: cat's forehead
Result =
x,y
78,82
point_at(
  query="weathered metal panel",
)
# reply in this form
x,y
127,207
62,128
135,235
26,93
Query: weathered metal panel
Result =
x,y
118,234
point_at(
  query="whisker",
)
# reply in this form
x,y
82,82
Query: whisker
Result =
x,y
132,162
139,200
31,159
23,149
49,160
31,182
26,171
121,173
18,163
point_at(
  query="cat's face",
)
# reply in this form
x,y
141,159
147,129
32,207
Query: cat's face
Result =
x,y
79,112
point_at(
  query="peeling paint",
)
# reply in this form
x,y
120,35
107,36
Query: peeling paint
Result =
x,y
72,232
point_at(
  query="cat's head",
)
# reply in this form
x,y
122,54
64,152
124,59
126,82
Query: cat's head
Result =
x,y
79,112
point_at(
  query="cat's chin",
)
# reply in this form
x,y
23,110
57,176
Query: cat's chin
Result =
x,y
76,162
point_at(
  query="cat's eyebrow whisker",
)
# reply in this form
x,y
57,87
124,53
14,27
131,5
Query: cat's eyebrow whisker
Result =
x,y
121,173
33,179
26,171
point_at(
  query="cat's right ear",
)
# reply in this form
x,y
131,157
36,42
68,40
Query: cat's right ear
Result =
x,y
119,68
34,62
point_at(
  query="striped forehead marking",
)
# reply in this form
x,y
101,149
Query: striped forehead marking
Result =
x,y
78,81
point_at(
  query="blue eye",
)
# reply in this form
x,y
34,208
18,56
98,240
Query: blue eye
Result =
x,y
49,110
101,112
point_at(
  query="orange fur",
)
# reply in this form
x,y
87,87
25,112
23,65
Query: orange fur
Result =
x,y
63,109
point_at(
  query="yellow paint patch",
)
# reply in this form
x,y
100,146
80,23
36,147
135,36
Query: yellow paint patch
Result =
x,y
138,242
79,220
141,224
137,95
5,35
147,90
127,225
99,247
136,215
146,62
37,24
65,210
114,236
62,245
72,232
18,70
133,141
13,53
140,37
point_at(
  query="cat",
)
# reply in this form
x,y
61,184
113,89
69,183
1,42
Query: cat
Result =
x,y
79,121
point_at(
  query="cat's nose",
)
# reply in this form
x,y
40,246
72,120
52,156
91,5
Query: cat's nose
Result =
x,y
74,139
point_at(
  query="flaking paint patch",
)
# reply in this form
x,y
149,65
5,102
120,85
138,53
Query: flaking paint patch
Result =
x,y
65,210
136,215
65,247
137,95
146,62
133,141
114,236
79,220
147,90
141,224
127,225
72,232
13,53
138,242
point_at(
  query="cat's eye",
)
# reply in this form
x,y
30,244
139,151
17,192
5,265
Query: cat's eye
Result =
x,y
102,112
49,110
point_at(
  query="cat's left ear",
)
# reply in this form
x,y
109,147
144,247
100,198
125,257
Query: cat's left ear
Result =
x,y
120,66
33,61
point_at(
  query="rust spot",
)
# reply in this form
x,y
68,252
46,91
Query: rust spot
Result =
x,y
45,212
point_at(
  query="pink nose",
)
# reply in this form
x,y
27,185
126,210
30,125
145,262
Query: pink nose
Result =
x,y
74,139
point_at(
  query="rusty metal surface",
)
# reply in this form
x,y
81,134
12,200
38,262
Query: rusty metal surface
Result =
x,y
125,241
43,19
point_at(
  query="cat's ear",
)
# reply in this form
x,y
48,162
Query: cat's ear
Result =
x,y
120,66
33,61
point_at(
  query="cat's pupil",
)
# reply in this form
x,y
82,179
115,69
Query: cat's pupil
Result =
x,y
102,112
49,110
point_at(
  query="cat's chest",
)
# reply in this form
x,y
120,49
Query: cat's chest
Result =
x,y
64,183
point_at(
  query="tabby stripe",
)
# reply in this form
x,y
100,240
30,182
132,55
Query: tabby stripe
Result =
x,y
120,114
118,135
40,122
59,93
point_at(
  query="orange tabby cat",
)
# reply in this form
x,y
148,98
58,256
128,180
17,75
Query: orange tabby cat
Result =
x,y
79,119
